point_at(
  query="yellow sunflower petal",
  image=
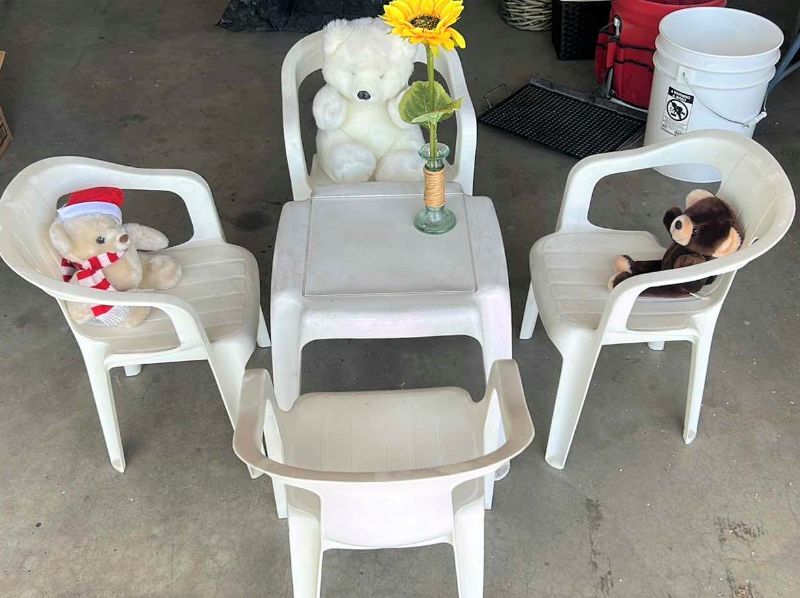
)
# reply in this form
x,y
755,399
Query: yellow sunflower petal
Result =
x,y
426,7
458,38
439,6
393,14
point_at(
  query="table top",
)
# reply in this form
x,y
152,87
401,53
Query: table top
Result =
x,y
367,245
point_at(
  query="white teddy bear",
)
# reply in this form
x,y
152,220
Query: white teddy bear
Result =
x,y
360,134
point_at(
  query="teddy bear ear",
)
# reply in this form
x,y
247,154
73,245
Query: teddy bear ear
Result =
x,y
59,238
694,196
334,35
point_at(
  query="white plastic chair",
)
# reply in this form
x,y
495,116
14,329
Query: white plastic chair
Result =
x,y
385,469
213,313
305,57
571,267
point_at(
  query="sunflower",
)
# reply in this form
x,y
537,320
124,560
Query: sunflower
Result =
x,y
426,21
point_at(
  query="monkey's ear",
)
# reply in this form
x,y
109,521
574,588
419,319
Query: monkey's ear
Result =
x,y
697,195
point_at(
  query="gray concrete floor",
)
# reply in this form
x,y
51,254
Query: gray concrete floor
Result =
x,y
635,513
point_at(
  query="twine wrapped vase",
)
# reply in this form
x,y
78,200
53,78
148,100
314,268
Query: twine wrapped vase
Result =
x,y
434,218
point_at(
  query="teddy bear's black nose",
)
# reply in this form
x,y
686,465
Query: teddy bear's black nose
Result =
x,y
678,225
363,95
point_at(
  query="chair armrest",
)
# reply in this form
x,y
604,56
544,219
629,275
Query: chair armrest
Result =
x,y
449,66
66,174
187,324
297,61
719,149
258,397
507,403
624,295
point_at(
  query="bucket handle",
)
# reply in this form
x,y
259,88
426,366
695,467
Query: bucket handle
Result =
x,y
747,124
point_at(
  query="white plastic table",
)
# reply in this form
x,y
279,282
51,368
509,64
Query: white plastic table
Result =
x,y
350,264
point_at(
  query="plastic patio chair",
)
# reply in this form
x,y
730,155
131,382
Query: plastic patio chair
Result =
x,y
214,313
384,469
571,267
305,57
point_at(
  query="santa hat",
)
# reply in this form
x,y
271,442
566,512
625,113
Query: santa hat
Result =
x,y
97,200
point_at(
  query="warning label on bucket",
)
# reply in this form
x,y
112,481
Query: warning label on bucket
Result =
x,y
677,110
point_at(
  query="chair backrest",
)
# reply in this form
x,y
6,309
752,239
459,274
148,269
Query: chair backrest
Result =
x,y
306,57
752,183
28,207
389,508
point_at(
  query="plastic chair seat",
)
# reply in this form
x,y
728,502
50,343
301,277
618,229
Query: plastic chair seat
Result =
x,y
571,272
383,431
217,282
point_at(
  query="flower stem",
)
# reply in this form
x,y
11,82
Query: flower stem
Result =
x,y
431,79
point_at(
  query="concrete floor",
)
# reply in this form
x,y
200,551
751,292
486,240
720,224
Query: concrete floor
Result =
x,y
635,513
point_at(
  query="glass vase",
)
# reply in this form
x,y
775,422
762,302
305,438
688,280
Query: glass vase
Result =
x,y
434,218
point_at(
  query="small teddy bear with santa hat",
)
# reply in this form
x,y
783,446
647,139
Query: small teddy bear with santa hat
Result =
x,y
99,252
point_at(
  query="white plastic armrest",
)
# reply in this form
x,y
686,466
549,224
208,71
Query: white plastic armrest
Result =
x,y
258,396
624,295
714,148
507,398
466,123
292,138
188,327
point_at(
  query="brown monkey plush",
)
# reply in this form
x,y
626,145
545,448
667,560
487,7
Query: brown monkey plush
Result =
x,y
705,230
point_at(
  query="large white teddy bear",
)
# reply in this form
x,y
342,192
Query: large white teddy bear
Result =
x,y
361,136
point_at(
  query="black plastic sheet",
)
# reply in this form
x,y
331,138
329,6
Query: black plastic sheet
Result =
x,y
303,16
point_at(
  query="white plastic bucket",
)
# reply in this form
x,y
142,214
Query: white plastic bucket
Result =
x,y
712,67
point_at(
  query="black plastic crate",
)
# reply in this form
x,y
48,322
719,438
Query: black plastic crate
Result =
x,y
576,24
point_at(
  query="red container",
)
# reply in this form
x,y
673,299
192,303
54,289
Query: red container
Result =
x,y
624,53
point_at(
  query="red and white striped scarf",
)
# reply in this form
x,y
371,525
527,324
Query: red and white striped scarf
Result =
x,y
89,273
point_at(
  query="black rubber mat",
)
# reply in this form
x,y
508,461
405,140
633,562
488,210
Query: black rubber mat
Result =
x,y
558,120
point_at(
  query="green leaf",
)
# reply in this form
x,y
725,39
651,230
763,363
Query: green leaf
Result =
x,y
423,105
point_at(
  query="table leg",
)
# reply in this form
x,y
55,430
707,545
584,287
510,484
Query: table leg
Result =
x,y
286,352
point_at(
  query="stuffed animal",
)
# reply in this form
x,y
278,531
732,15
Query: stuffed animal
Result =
x,y
99,252
360,133
707,229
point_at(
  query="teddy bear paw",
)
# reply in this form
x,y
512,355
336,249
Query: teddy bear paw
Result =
x,y
162,272
351,163
622,263
400,165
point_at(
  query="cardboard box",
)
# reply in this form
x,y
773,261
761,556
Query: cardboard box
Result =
x,y
5,132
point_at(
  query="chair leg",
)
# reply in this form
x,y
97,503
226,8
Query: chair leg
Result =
x,y
468,551
701,349
530,316
262,340
104,400
305,550
133,370
576,374
656,345
279,492
228,364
